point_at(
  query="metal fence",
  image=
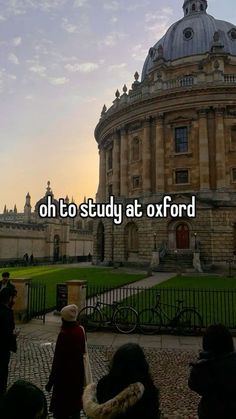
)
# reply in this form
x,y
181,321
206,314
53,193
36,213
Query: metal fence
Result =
x,y
213,305
36,301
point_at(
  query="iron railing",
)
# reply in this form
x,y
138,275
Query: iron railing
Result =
x,y
36,301
213,305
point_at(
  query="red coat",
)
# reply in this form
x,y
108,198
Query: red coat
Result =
x,y
67,374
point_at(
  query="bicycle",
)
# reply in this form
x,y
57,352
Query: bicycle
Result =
x,y
124,318
186,319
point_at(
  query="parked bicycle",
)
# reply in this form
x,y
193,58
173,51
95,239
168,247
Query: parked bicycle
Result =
x,y
123,318
186,319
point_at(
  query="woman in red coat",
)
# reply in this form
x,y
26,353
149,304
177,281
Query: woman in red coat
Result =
x,y
67,374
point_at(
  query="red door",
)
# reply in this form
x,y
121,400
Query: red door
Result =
x,y
182,236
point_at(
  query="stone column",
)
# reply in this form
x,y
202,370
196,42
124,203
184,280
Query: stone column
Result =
x,y
124,163
203,151
77,292
146,157
21,305
102,176
116,164
220,149
160,155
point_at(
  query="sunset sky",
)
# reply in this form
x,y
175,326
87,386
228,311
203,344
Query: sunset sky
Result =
x,y
60,61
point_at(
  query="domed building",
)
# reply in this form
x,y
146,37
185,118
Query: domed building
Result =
x,y
174,133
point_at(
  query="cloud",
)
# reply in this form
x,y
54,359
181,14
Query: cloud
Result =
x,y
116,67
68,27
58,81
112,39
2,18
13,59
80,3
81,68
17,41
29,97
139,52
158,23
38,69
111,5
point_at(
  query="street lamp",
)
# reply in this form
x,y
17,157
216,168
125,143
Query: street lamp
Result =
x,y
195,241
155,241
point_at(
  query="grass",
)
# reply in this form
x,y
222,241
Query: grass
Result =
x,y
52,275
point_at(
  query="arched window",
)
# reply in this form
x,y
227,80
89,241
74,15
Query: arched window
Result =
x,y
56,250
201,7
193,7
233,137
131,240
186,10
135,152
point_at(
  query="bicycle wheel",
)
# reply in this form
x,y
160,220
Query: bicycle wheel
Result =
x,y
149,321
90,318
125,319
189,322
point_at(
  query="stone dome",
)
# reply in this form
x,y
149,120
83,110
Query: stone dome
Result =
x,y
194,34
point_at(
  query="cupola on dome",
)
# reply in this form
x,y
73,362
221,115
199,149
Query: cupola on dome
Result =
x,y
192,35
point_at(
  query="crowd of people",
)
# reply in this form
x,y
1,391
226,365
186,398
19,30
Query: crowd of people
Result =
x,y
127,391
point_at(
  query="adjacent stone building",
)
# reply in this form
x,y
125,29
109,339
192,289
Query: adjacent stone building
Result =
x,y
47,239
174,133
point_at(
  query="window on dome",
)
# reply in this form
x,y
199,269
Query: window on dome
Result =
x,y
181,140
193,7
232,34
186,11
188,34
181,176
202,7
135,149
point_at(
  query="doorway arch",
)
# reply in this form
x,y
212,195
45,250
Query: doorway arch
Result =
x,y
56,248
182,236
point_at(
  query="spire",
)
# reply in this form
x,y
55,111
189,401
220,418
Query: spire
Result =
x,y
5,209
15,209
194,6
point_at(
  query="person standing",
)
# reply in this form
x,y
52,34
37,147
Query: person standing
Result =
x,y
7,335
213,375
5,282
127,391
67,373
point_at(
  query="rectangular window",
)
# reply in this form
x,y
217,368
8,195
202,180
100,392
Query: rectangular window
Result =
x,y
234,174
233,138
181,140
109,190
181,176
136,182
109,159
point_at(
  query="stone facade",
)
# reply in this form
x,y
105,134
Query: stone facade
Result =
x,y
51,239
173,133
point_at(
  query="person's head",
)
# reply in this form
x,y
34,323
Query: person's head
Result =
x,y
5,276
8,296
217,340
129,364
24,400
69,313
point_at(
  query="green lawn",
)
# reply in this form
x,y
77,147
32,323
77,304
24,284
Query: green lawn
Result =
x,y
52,275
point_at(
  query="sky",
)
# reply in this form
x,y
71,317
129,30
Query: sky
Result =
x,y
60,62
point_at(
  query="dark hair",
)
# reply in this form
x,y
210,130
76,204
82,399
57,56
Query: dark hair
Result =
x,y
218,340
23,399
6,294
129,365
6,275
